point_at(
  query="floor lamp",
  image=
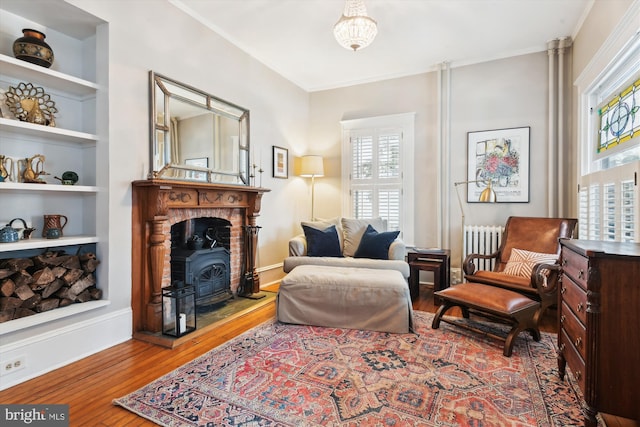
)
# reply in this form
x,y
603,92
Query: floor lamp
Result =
x,y
487,196
312,167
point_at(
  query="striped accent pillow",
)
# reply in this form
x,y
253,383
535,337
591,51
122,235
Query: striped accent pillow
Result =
x,y
521,262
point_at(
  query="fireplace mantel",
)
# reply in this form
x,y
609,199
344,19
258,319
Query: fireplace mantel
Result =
x,y
156,203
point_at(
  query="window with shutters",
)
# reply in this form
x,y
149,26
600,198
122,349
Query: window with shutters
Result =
x,y
608,192
378,170
608,204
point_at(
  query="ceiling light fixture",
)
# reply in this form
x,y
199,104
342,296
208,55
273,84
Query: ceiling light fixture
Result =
x,y
355,29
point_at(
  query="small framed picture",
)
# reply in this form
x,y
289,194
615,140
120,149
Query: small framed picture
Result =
x,y
280,162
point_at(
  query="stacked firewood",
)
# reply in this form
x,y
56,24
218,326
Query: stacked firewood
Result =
x,y
45,282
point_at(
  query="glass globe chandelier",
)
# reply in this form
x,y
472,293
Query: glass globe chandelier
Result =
x,y
355,29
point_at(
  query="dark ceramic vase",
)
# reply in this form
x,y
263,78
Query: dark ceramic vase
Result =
x,y
32,48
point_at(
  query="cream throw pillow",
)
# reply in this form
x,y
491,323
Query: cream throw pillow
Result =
x,y
353,230
521,262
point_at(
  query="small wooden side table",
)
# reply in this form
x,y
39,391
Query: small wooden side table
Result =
x,y
437,261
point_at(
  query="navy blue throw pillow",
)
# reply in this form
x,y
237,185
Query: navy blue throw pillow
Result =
x,y
375,245
322,242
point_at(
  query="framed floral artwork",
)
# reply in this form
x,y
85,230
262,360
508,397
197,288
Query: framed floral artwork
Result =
x,y
499,158
280,162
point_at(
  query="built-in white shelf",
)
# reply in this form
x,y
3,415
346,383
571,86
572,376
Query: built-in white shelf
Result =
x,y
48,132
48,316
26,187
39,242
28,72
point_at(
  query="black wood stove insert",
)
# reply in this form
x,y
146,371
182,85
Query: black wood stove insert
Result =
x,y
200,256
206,269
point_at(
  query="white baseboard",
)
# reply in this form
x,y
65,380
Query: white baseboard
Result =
x,y
270,274
45,352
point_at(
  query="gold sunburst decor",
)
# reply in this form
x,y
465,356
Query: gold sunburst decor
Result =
x,y
32,104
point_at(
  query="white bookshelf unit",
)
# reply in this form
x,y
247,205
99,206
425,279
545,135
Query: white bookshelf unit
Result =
x,y
77,83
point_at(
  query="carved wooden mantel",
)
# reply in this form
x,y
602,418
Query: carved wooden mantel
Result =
x,y
153,202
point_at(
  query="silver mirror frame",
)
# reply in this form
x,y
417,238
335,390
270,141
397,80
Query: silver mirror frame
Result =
x,y
175,93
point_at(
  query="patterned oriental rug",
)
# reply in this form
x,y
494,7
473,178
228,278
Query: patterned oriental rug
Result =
x,y
291,375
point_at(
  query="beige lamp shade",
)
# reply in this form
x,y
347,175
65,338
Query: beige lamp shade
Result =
x,y
311,166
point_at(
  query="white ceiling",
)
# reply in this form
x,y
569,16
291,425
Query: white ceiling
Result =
x,y
295,37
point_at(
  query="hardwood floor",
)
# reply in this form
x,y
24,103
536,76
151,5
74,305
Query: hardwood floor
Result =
x,y
89,385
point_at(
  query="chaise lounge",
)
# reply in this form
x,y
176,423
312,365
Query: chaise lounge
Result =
x,y
346,273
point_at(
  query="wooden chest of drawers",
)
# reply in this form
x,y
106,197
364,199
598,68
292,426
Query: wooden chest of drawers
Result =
x,y
599,331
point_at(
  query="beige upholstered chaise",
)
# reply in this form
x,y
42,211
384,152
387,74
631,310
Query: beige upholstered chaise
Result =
x,y
346,290
349,232
340,297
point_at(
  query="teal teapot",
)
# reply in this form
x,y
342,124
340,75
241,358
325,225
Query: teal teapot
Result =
x,y
8,234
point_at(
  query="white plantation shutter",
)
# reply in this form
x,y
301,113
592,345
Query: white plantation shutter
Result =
x,y
362,153
609,207
389,207
378,170
609,212
630,205
389,155
376,178
594,212
362,203
583,212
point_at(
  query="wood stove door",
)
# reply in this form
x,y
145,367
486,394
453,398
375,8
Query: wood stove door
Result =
x,y
212,284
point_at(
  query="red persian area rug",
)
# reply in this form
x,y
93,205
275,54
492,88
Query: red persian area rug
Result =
x,y
291,375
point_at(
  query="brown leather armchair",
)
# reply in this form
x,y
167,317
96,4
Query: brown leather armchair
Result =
x,y
532,234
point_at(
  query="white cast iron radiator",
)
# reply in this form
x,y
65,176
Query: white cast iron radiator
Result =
x,y
482,239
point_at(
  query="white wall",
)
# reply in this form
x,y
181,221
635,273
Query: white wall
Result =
x,y
500,94
408,94
493,95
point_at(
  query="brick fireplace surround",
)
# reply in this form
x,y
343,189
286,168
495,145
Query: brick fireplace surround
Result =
x,y
159,204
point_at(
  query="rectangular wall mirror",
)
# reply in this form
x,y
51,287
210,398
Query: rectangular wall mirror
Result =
x,y
196,136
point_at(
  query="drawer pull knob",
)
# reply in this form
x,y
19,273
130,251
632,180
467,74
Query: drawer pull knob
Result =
x,y
562,319
578,375
564,262
562,348
581,274
563,290
578,342
580,307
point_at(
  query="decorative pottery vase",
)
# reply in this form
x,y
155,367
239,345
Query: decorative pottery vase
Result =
x,y
54,222
32,48
53,233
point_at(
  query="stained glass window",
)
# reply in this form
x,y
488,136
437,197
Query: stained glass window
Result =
x,y
620,118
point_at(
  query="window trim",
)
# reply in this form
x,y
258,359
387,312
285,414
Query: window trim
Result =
x,y
598,70
406,122
600,76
